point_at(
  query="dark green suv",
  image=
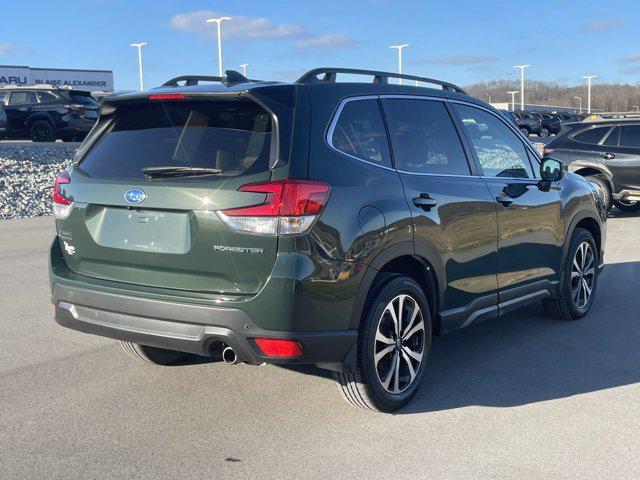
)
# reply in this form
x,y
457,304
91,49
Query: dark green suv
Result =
x,y
340,224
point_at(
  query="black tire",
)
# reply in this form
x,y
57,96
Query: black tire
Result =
x,y
42,131
544,133
525,131
627,207
604,188
364,388
565,307
155,355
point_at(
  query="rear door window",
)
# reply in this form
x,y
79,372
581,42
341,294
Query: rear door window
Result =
x,y
591,136
359,132
630,136
423,138
612,139
233,136
46,97
22,98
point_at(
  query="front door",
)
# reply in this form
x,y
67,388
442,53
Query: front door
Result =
x,y
530,221
18,109
453,214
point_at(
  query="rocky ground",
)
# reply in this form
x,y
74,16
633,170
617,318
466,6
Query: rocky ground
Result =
x,y
27,173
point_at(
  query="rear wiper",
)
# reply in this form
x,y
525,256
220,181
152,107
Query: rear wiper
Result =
x,y
179,171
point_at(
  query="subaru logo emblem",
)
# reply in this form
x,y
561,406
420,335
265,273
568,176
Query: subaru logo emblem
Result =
x,y
135,195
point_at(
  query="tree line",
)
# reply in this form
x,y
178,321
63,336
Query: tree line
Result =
x,y
610,97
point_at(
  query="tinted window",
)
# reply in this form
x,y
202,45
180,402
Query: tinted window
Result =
x,y
83,99
500,151
46,97
592,136
423,138
234,136
22,98
630,136
4,96
612,140
360,132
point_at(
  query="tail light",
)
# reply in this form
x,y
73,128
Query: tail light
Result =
x,y
279,348
62,205
547,151
291,207
74,107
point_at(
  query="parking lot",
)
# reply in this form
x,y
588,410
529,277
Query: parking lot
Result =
x,y
519,397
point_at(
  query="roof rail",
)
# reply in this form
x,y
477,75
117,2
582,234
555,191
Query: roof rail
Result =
x,y
329,75
231,77
190,80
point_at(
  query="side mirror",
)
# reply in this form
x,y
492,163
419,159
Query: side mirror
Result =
x,y
551,170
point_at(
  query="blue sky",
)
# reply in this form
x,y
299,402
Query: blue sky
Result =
x,y
460,41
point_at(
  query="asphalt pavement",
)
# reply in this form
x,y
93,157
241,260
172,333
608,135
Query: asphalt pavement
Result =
x,y
520,397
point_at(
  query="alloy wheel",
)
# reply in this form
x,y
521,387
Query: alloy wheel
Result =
x,y
583,275
399,344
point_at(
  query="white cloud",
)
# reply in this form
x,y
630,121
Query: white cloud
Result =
x,y
239,27
600,26
5,47
329,41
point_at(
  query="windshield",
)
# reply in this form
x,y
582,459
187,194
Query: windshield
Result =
x,y
231,136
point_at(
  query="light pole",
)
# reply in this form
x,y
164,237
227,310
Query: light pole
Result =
x,y
580,99
244,68
513,99
588,78
139,46
521,67
218,22
400,47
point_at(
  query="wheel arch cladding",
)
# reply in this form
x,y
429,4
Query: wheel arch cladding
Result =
x,y
584,220
412,266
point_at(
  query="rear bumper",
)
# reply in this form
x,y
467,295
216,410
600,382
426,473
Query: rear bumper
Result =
x,y
191,328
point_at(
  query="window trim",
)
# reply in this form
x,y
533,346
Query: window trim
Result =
x,y
528,149
592,127
334,121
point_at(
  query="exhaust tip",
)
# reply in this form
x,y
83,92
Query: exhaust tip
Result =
x,y
229,356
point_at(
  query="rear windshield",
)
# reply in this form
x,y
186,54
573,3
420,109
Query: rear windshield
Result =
x,y
83,99
233,136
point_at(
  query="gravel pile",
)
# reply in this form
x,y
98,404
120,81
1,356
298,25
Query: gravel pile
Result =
x,y
27,173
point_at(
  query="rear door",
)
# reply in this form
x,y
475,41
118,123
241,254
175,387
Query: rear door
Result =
x,y
454,216
530,221
163,231
620,152
585,143
20,105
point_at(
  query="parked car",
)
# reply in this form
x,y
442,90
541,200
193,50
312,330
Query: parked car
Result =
x,y
3,123
336,224
606,150
550,124
528,123
44,113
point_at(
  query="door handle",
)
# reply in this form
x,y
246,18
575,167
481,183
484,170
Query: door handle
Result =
x,y
608,156
425,202
504,200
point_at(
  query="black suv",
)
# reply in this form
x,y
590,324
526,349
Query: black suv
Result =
x,y
606,150
337,224
550,124
528,123
44,113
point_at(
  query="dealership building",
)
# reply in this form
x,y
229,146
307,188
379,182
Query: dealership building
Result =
x,y
89,80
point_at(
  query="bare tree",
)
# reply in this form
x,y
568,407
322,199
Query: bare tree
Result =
x,y
611,97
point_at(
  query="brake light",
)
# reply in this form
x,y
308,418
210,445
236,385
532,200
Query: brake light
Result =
x,y
62,205
167,96
279,348
74,107
547,151
291,207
